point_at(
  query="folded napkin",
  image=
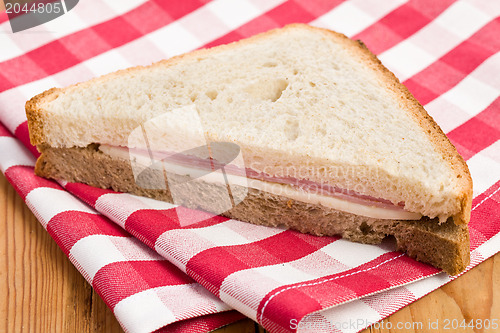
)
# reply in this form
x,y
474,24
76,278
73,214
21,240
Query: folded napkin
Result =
x,y
152,268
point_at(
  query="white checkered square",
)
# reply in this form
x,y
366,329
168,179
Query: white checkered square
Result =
x,y
233,13
88,252
107,62
352,17
14,153
484,170
143,312
174,39
46,203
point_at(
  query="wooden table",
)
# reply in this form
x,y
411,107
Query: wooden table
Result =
x,y
41,291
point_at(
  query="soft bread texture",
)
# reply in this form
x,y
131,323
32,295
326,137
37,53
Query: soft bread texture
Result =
x,y
443,245
299,101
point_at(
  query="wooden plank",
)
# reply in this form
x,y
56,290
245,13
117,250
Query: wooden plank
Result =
x,y
102,319
41,290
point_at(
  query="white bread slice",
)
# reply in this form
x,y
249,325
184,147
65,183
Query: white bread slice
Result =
x,y
297,96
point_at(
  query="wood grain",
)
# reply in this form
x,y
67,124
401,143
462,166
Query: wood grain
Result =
x,y
41,291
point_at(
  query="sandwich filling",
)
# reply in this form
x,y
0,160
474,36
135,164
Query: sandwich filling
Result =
x,y
209,170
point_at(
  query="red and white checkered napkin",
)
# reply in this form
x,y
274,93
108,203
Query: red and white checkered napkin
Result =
x,y
446,52
283,279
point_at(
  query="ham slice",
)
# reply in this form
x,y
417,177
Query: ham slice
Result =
x,y
210,165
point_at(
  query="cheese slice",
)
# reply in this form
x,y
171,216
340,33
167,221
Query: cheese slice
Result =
x,y
338,202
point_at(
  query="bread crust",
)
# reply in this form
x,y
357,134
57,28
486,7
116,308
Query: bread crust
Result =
x,y
443,245
435,134
38,116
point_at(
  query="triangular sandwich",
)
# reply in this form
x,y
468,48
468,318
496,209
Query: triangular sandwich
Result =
x,y
300,127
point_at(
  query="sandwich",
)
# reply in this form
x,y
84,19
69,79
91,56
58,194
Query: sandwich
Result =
x,y
299,127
